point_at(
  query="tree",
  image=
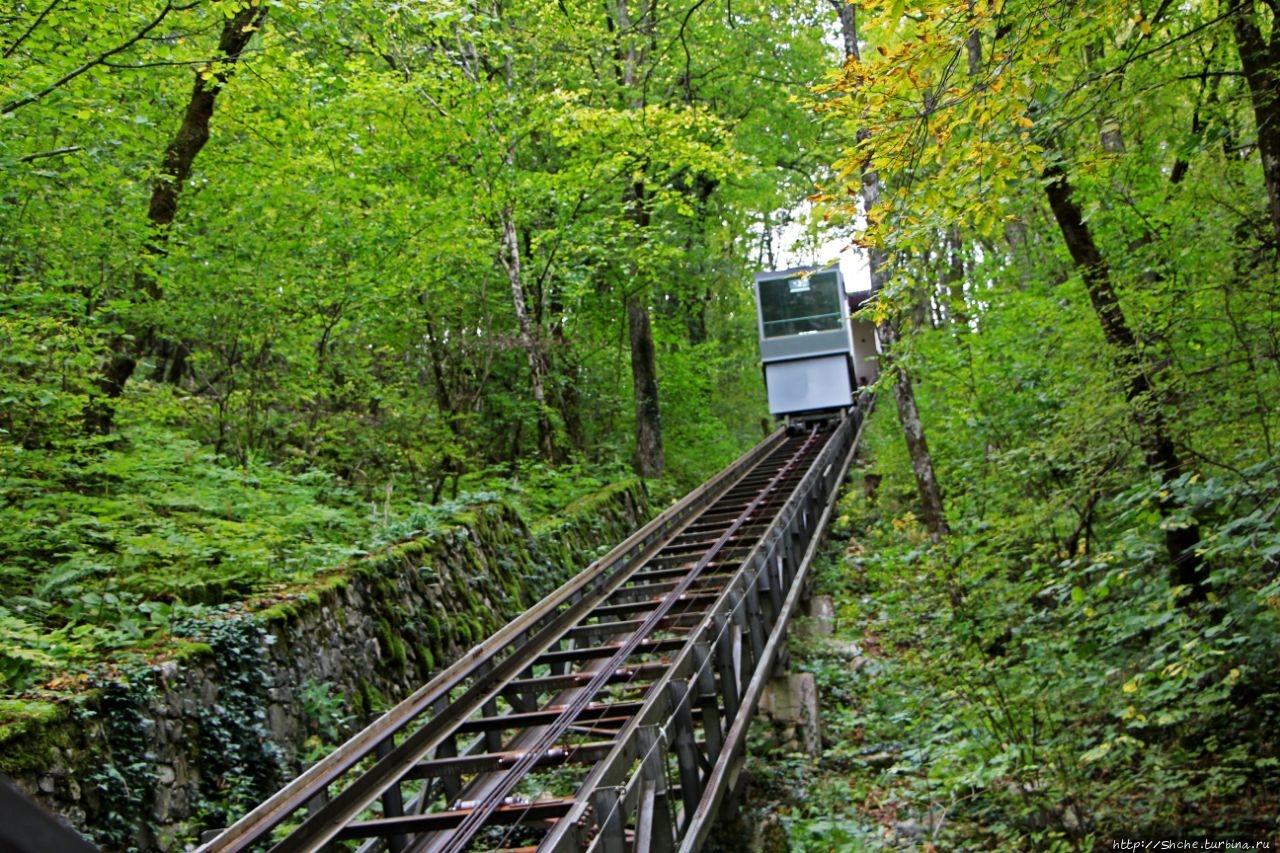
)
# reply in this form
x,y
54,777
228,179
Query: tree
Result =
x,y
1182,538
889,327
409,246
1260,62
237,30
984,150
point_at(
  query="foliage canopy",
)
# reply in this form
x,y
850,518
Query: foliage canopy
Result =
x,y
277,275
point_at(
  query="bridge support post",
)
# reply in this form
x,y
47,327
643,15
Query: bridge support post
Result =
x,y
608,805
742,632
451,783
686,751
392,801
769,600
708,699
725,666
655,828
755,621
315,804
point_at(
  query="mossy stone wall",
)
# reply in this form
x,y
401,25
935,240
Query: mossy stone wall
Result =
x,y
153,755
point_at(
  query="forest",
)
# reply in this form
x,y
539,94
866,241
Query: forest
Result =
x,y
281,278
282,281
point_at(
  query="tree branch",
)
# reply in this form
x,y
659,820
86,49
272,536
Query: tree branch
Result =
x,y
57,152
159,63
31,29
71,75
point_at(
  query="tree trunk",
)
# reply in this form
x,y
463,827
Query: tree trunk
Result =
x,y
953,279
903,391
179,156
528,339
1260,61
848,28
436,358
631,51
650,458
973,44
930,490
568,400
1161,454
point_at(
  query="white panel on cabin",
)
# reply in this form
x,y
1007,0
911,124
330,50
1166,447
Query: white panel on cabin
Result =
x,y
866,362
809,384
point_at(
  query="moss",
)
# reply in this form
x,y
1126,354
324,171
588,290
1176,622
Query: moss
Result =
x,y
392,645
403,557
590,506
398,652
29,732
471,601
185,651
394,559
21,715
305,598
333,583
364,567
368,701
281,612
465,518
412,547
385,589
601,496
456,596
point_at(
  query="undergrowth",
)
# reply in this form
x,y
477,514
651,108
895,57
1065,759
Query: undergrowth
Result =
x,y
109,545
1008,698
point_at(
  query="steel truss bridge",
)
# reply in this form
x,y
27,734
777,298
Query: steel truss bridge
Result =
x,y
612,716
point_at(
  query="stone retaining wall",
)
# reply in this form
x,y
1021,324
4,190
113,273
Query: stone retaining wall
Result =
x,y
150,757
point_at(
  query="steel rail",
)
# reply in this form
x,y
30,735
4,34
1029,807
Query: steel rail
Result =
x,y
491,794
479,665
553,732
485,788
629,788
647,658
492,790
767,493
722,777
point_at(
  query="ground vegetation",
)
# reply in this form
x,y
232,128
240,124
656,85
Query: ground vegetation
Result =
x,y
1080,260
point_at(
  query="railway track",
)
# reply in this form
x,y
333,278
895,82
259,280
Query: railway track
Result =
x,y
611,716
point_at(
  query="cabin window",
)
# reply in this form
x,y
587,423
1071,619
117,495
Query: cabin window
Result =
x,y
800,304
